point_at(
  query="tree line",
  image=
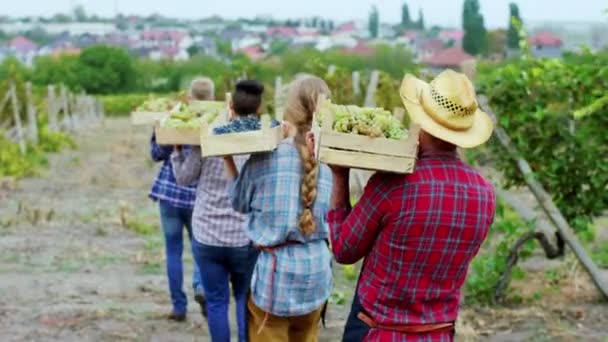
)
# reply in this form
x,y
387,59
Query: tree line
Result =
x,y
477,40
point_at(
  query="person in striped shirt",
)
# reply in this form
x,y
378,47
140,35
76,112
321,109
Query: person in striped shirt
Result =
x,y
221,246
176,203
286,195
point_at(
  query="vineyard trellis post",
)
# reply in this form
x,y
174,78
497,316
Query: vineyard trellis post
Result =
x,y
31,114
370,100
546,203
356,83
52,108
17,118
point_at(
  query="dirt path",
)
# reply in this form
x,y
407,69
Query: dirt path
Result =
x,y
82,260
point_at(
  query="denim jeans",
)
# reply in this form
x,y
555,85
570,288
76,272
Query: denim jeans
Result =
x,y
355,329
173,220
219,267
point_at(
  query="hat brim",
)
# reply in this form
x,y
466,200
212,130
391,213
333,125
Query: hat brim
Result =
x,y
480,132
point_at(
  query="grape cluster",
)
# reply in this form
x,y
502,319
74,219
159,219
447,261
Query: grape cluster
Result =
x,y
161,104
242,124
372,122
188,117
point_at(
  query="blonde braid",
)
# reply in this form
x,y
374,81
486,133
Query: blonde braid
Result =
x,y
308,190
301,104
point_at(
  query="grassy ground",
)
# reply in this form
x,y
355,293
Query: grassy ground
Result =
x,y
82,260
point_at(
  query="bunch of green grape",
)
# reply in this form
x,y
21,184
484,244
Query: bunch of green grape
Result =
x,y
372,122
161,104
188,117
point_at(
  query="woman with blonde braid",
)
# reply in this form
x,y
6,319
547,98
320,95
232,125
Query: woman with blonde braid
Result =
x,y
286,194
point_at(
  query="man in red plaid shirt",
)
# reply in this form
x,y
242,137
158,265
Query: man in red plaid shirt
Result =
x,y
419,232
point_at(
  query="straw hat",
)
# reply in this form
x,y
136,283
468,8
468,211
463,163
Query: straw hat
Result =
x,y
447,108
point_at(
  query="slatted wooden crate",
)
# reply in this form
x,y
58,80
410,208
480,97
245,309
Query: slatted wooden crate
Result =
x,y
147,118
264,140
187,136
363,152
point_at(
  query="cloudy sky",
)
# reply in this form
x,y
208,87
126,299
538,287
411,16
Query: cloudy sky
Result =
x,y
442,12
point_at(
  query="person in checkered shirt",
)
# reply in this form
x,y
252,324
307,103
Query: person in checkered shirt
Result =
x,y
176,203
417,233
221,247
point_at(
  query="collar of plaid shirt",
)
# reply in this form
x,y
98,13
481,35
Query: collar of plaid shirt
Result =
x,y
418,234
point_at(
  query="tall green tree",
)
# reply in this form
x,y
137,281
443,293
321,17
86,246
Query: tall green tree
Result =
x,y
475,39
513,33
406,21
420,23
374,22
79,13
105,70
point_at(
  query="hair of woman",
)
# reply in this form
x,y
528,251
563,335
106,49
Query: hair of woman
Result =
x,y
299,110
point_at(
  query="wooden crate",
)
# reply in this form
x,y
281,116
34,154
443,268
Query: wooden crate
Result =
x,y
187,136
363,152
147,118
177,136
264,140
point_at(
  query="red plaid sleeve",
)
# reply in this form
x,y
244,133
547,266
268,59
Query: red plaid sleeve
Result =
x,y
353,232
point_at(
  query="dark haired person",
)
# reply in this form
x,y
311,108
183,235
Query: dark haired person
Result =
x,y
176,203
221,247
246,105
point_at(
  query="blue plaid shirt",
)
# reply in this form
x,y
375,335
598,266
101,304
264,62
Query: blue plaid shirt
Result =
x,y
165,186
268,189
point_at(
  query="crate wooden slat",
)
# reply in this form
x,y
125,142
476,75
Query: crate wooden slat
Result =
x,y
177,136
147,118
363,152
264,140
187,136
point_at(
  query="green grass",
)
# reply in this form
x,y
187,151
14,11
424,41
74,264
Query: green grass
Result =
x,y
151,268
599,255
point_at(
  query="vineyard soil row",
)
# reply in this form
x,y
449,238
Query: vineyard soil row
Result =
x,y
82,260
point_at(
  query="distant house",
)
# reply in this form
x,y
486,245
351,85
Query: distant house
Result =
x,y
165,39
429,48
352,29
253,52
546,45
60,46
281,32
329,42
206,46
451,37
169,53
23,49
409,37
349,28
361,49
240,39
166,44
449,58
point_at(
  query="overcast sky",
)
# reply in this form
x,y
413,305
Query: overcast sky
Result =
x,y
442,12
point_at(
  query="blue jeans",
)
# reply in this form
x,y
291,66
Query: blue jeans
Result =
x,y
355,329
173,220
219,267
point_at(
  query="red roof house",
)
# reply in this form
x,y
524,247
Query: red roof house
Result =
x,y
282,31
448,58
22,45
361,49
253,52
349,27
452,35
546,39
